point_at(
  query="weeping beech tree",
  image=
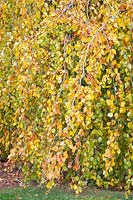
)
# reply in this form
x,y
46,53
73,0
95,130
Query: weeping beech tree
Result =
x,y
66,89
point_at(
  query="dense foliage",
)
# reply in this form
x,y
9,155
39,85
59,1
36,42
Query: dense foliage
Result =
x,y
66,89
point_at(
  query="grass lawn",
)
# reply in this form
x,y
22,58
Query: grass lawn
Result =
x,y
59,194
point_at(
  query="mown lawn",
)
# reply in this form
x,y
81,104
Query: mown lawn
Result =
x,y
59,194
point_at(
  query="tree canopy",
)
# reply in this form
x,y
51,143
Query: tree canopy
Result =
x,y
66,89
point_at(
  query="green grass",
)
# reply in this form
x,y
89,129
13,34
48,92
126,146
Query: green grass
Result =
x,y
59,194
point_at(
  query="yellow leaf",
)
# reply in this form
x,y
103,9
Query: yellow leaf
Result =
x,y
50,184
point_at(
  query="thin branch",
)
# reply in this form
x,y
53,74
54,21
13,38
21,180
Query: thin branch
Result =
x,y
131,30
68,6
87,8
84,62
64,48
